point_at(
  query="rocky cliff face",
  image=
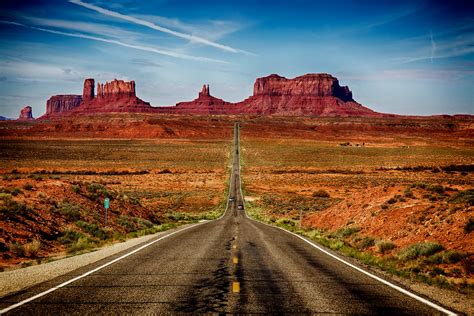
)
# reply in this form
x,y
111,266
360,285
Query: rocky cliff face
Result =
x,y
314,85
311,94
114,96
26,114
88,91
58,104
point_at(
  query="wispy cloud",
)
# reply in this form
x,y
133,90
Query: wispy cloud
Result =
x,y
411,74
116,42
189,37
433,46
87,27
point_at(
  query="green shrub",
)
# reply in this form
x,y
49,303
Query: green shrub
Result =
x,y
449,256
75,188
321,194
420,185
346,231
408,193
392,201
93,229
383,246
15,191
14,209
419,249
28,187
72,211
82,243
69,236
132,224
436,188
366,242
469,226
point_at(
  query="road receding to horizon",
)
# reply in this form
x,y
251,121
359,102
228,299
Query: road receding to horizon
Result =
x,y
233,264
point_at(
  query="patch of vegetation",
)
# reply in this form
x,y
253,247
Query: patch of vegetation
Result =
x,y
15,191
69,236
81,244
346,231
384,246
32,248
14,209
419,249
17,249
321,194
466,196
469,226
28,187
133,224
71,211
94,230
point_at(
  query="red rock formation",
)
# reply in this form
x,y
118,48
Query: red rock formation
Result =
x,y
26,114
114,96
88,91
58,104
311,94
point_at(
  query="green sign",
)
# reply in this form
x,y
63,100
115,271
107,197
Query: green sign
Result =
x,y
106,203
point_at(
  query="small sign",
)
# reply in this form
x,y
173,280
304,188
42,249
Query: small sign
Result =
x,y
106,203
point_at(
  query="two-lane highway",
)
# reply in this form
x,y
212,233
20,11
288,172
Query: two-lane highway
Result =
x,y
232,264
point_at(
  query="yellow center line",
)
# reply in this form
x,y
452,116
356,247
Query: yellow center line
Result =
x,y
235,260
235,287
234,246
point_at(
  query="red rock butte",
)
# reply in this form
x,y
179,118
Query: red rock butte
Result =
x,y
308,95
26,114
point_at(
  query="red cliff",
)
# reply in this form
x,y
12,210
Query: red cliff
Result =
x,y
58,104
26,114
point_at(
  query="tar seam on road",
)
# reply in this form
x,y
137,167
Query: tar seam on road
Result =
x,y
32,298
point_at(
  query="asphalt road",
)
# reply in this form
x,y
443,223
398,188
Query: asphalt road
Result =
x,y
233,264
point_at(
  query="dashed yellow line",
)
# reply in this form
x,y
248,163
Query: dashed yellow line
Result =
x,y
235,260
234,246
235,287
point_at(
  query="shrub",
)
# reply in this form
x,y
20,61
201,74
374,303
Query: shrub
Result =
x,y
93,229
28,187
321,194
408,193
75,188
15,191
72,211
366,242
436,188
346,231
32,248
466,196
383,246
13,208
69,236
469,226
132,224
419,249
392,201
82,243
17,249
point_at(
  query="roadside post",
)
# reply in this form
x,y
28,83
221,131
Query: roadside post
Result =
x,y
106,206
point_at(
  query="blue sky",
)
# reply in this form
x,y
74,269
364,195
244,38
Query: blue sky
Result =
x,y
405,57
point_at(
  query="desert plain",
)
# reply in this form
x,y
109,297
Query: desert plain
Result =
x,y
396,194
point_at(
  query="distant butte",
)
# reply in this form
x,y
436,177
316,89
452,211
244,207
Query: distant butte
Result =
x,y
308,95
26,114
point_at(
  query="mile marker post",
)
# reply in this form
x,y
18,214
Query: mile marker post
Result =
x,y
106,206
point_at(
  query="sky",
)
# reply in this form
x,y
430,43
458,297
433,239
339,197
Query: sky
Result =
x,y
405,57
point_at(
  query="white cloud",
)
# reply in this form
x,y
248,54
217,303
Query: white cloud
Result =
x,y
189,37
120,43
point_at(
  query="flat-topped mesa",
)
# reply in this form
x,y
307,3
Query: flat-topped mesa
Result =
x,y
26,114
116,89
58,104
315,85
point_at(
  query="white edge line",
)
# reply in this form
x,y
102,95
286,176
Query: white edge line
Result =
x,y
32,298
373,276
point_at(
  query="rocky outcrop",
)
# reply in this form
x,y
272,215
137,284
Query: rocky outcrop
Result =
x,y
314,85
308,95
114,96
204,104
88,91
58,104
26,114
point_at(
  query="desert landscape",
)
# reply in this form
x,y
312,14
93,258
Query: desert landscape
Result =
x,y
325,166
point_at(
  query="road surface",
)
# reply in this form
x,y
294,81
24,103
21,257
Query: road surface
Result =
x,y
232,264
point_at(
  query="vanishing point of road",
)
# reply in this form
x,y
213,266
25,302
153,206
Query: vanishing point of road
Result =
x,y
230,265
